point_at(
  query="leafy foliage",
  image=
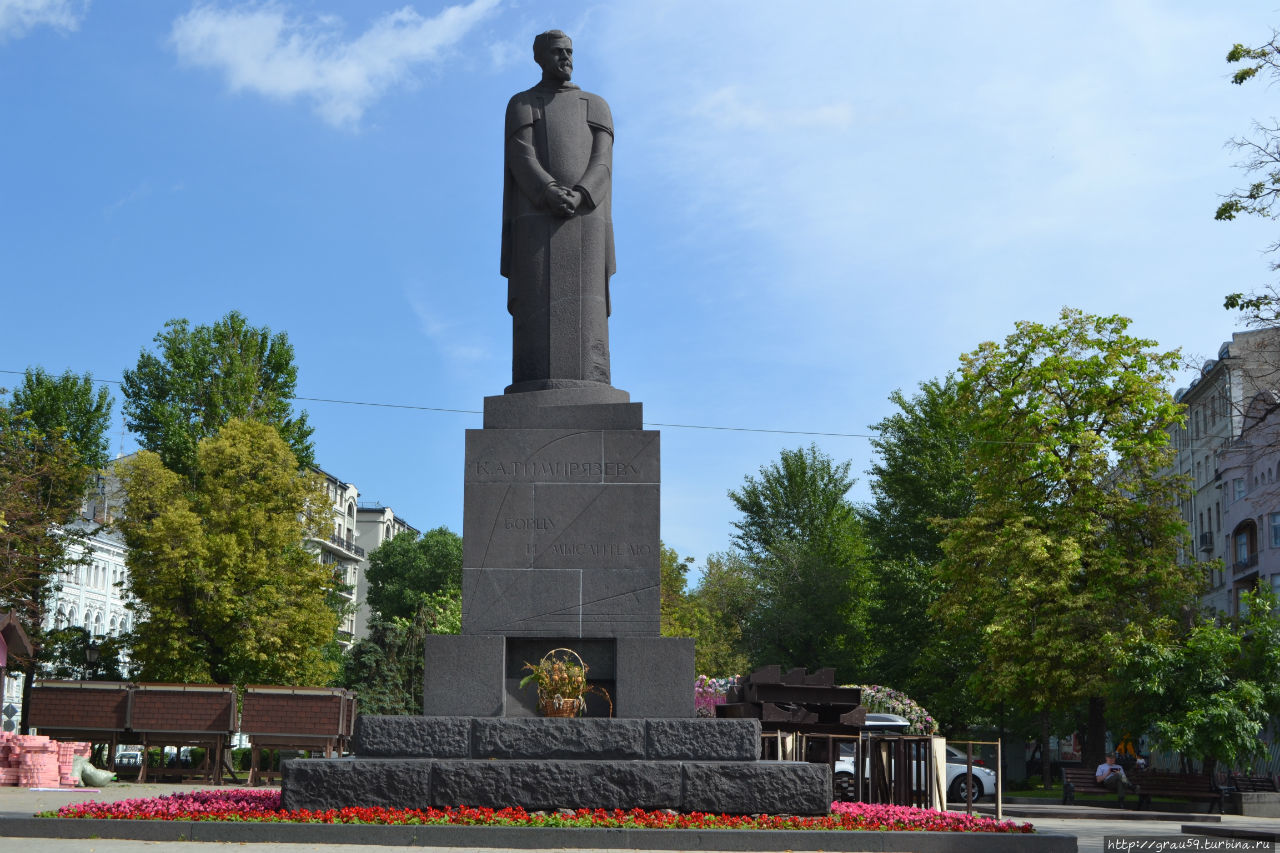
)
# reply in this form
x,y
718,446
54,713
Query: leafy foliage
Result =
x,y
1070,550
42,480
386,668
406,572
206,376
804,557
65,655
717,640
1210,691
226,590
52,435
919,480
68,407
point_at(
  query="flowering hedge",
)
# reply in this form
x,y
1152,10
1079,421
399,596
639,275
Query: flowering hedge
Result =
x,y
709,692
886,700
257,805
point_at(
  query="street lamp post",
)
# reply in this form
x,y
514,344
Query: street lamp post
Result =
x,y
91,654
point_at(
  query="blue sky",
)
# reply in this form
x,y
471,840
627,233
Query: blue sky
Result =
x,y
814,203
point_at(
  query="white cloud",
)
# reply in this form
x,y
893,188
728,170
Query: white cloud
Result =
x,y
265,49
18,17
453,344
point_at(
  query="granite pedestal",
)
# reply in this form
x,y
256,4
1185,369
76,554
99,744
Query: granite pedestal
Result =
x,y
686,764
561,548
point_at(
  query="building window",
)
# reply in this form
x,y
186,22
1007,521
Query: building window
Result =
x,y
1242,546
1275,529
1237,488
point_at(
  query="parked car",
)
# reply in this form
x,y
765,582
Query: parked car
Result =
x,y
958,756
129,758
984,781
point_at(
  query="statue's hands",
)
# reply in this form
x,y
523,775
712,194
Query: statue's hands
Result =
x,y
560,200
572,200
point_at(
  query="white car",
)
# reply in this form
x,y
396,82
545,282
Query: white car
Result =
x,y
984,781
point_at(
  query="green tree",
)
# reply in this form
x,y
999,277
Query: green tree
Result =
x,y
386,668
673,583
724,594
918,480
42,481
68,406
1207,692
66,656
1070,549
415,589
919,476
226,590
805,554
686,614
406,572
203,377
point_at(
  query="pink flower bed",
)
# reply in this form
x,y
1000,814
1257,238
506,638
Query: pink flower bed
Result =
x,y
254,805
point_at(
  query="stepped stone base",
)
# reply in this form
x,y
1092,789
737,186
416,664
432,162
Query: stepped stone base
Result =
x,y
596,739
681,764
722,786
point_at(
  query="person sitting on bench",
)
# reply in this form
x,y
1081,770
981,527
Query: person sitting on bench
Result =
x,y
1111,775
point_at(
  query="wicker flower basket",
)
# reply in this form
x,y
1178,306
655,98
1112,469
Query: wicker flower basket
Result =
x,y
556,706
561,678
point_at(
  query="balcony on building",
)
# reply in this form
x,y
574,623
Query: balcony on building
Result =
x,y
1248,563
344,547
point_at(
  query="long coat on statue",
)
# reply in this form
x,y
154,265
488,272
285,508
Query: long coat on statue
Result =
x,y
558,269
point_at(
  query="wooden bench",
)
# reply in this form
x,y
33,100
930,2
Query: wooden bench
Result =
x,y
1178,786
1080,780
1253,784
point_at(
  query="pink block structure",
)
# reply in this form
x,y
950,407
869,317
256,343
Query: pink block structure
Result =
x,y
35,761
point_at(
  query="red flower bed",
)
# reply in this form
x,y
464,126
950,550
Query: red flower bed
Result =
x,y
242,805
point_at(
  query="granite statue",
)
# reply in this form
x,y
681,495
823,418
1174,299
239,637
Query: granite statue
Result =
x,y
557,231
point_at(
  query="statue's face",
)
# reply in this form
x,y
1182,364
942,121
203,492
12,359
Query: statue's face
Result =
x,y
557,60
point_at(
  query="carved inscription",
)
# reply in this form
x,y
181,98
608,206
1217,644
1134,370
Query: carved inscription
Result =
x,y
539,470
591,549
528,524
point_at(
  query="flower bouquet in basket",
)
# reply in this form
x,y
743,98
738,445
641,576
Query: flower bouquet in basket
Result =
x,y
561,677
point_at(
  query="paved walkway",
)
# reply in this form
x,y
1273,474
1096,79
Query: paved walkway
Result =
x,y
1090,829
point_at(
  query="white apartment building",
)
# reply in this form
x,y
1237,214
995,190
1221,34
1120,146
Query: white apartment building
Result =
x,y
1223,452
377,524
337,548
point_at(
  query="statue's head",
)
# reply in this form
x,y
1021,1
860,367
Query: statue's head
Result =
x,y
553,51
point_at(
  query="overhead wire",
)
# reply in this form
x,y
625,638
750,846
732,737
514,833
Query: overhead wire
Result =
x,y
419,408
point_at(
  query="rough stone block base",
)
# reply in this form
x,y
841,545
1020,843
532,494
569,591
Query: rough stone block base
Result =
x,y
692,739
728,787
